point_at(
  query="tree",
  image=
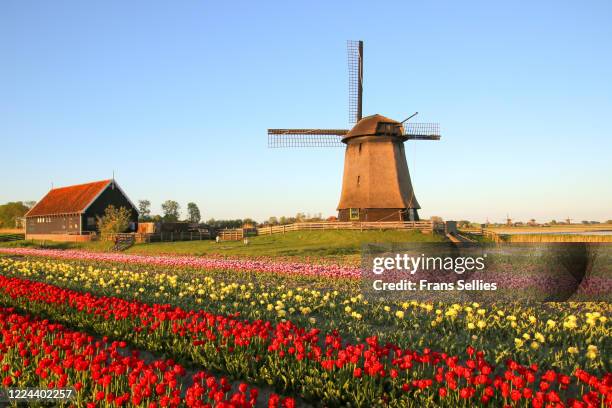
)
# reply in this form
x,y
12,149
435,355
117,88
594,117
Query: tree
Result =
x,y
144,210
249,223
9,213
114,220
273,221
171,211
317,217
194,212
436,218
464,223
223,224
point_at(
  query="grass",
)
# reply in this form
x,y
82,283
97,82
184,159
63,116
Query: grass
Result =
x,y
560,229
90,246
557,238
301,245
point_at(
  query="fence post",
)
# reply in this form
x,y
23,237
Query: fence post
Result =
x,y
172,236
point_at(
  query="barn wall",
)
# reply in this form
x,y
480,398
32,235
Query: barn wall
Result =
x,y
110,196
59,237
54,224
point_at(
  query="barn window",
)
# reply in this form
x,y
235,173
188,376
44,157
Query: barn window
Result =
x,y
354,214
91,221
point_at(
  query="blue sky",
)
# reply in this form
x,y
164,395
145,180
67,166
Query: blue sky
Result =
x,y
176,97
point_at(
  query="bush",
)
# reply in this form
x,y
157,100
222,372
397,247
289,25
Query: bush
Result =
x,y
114,220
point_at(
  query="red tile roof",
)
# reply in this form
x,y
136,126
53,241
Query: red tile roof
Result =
x,y
71,199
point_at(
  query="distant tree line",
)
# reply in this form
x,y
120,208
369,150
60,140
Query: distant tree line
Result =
x,y
171,212
12,211
531,222
299,217
230,224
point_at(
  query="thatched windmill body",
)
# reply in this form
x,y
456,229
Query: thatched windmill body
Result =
x,y
376,184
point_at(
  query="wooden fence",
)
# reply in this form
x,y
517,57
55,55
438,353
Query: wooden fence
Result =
x,y
123,242
424,226
164,236
231,234
236,234
239,234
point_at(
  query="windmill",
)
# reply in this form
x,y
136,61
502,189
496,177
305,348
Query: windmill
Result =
x,y
376,184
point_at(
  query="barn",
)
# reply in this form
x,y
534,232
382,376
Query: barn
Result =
x,y
67,213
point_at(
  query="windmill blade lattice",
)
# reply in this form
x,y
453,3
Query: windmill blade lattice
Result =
x,y
354,53
422,131
305,137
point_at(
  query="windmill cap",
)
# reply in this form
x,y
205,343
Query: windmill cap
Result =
x,y
374,125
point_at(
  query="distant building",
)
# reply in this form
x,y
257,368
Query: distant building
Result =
x,y
73,210
20,222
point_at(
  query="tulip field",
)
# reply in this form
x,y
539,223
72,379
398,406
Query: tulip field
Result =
x,y
156,331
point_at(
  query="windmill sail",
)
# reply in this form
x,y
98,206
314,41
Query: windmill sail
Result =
x,y
355,70
422,131
305,137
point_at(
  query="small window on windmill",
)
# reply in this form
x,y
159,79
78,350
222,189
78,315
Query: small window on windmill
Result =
x,y
359,148
358,179
354,214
